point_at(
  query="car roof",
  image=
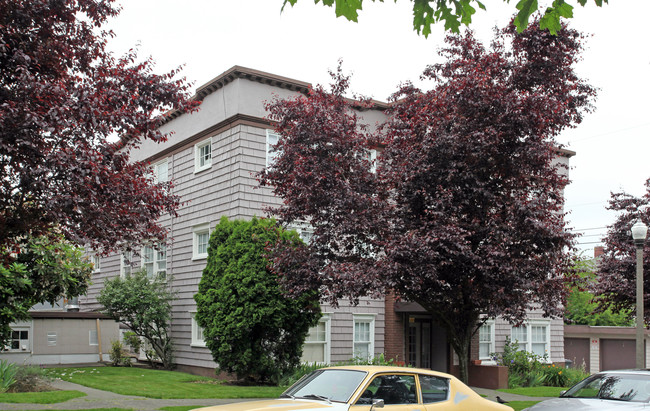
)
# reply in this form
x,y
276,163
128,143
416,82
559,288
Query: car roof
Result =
x,y
630,371
374,369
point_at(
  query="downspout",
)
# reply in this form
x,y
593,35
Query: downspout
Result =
x,y
99,341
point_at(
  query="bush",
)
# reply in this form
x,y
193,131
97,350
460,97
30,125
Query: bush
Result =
x,y
252,329
7,374
525,369
119,355
528,370
31,378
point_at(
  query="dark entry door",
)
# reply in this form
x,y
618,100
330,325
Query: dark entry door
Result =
x,y
419,342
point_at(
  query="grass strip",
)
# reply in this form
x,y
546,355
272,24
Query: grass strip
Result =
x,y
520,405
536,391
159,383
44,397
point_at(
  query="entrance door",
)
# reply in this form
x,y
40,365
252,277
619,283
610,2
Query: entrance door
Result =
x,y
419,343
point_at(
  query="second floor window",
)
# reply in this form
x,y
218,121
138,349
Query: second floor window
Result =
x,y
160,171
154,260
272,139
203,155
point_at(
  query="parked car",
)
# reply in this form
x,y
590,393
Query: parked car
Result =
x,y
608,390
371,388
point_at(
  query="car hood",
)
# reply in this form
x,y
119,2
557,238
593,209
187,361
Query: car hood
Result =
x,y
585,404
281,404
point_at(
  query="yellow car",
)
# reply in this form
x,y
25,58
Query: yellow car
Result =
x,y
369,388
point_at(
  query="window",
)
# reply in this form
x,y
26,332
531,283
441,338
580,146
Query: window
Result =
x,y
51,339
372,157
203,155
364,336
96,260
201,239
19,340
272,139
534,337
160,171
126,263
197,334
486,340
154,260
316,349
305,231
434,389
393,389
92,337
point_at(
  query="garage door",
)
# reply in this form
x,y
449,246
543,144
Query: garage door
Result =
x,y
577,351
617,354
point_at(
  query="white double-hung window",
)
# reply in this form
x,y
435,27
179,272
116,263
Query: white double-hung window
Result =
x,y
154,260
160,171
200,241
272,139
486,340
534,337
317,344
364,336
203,155
198,340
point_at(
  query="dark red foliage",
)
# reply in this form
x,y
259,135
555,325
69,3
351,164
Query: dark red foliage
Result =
x,y
617,266
62,97
465,212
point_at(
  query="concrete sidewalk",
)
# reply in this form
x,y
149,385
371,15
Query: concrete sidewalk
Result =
x,y
104,399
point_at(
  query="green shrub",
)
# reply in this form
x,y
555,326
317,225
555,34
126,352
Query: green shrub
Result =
x,y
119,355
252,329
525,369
8,372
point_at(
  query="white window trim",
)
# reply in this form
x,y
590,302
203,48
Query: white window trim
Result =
x,y
372,157
22,348
154,261
197,155
270,156
97,262
327,319
154,168
488,360
529,336
123,266
196,231
196,341
366,318
303,230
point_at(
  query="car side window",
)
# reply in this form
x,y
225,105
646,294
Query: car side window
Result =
x,y
434,389
392,388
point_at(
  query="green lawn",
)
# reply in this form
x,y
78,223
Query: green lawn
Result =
x,y
158,383
536,391
520,405
45,397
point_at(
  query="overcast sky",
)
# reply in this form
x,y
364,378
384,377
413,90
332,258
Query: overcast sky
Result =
x,y
382,50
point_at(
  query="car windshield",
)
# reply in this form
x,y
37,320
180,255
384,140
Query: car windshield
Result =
x,y
329,384
619,387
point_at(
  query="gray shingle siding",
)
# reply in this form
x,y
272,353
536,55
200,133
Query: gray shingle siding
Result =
x,y
227,188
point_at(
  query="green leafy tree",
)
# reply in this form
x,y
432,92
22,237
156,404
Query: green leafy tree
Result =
x,y
456,12
145,305
252,329
47,268
584,308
